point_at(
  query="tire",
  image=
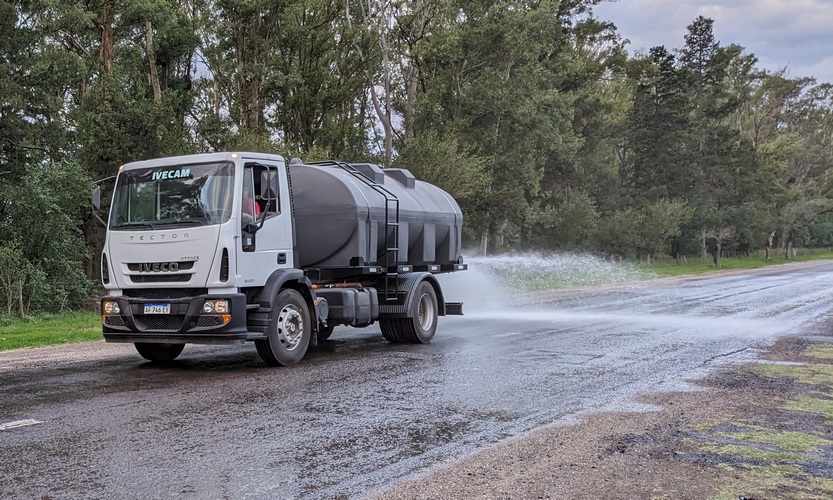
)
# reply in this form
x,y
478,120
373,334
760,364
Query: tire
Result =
x,y
290,330
325,332
159,353
421,323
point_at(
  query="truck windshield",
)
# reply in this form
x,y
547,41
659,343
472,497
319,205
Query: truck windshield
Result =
x,y
181,195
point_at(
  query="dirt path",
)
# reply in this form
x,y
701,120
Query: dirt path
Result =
x,y
760,430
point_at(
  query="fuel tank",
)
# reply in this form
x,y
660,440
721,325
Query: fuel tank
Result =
x,y
344,212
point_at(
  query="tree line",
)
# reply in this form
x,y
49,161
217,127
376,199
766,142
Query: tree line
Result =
x,y
532,114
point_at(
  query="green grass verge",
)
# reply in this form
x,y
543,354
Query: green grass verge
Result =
x,y
38,331
776,462
785,481
698,266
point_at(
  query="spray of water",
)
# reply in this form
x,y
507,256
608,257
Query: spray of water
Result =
x,y
498,282
508,287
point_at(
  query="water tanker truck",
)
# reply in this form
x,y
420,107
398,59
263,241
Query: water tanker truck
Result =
x,y
226,248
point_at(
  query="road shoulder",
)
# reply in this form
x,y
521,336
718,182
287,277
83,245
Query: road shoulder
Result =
x,y
757,430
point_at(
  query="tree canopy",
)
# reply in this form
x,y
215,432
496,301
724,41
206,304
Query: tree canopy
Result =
x,y
531,113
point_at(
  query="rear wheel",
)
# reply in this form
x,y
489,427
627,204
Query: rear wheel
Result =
x,y
421,323
159,352
289,331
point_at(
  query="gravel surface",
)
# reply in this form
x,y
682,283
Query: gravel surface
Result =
x,y
61,354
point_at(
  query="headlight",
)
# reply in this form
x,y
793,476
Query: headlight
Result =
x,y
215,306
111,308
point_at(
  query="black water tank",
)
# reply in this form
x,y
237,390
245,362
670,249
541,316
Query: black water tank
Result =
x,y
340,217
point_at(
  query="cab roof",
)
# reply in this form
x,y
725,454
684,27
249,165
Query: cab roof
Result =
x,y
203,158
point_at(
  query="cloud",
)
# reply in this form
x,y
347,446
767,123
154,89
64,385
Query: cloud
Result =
x,y
796,34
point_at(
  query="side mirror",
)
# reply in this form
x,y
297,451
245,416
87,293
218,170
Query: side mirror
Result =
x,y
269,185
96,198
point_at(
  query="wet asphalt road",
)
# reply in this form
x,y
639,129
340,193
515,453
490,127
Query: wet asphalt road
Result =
x,y
359,414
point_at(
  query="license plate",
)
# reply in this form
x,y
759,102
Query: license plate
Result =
x,y
157,309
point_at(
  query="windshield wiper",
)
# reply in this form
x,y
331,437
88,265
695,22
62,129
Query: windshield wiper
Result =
x,y
134,225
181,222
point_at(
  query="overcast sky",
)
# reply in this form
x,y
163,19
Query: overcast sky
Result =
x,y
796,34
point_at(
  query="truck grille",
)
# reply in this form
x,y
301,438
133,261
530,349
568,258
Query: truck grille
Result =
x,y
160,278
170,323
113,321
210,321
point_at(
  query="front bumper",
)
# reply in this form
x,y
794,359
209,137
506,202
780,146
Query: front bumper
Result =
x,y
186,323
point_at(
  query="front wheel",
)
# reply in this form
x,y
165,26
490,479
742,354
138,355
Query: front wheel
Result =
x,y
159,352
289,331
421,323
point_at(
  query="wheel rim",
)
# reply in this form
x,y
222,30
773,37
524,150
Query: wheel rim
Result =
x,y
290,327
426,311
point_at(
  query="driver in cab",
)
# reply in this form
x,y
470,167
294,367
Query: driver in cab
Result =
x,y
251,210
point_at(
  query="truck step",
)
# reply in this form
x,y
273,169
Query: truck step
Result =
x,y
453,308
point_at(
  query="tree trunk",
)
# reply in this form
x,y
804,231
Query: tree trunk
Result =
x,y
20,298
154,73
769,241
216,98
384,115
107,50
411,78
107,40
484,242
718,245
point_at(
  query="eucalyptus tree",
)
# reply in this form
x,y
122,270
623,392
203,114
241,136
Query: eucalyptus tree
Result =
x,y
239,42
491,73
283,73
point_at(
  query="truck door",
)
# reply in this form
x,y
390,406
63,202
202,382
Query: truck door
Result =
x,y
262,251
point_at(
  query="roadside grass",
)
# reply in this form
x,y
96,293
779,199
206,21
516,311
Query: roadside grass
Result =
x,y
45,330
822,352
699,266
814,374
763,459
780,481
812,405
